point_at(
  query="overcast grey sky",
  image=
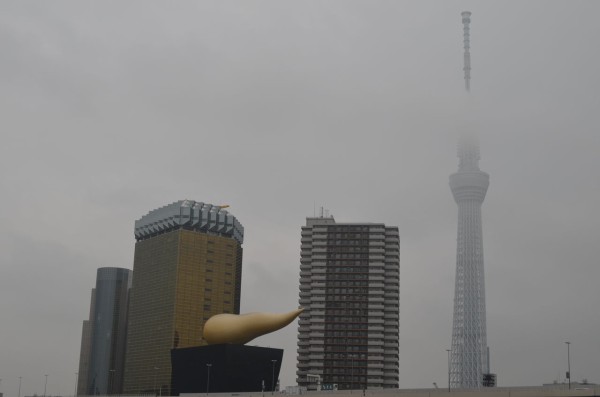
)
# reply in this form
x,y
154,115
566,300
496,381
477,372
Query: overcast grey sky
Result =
x,y
111,109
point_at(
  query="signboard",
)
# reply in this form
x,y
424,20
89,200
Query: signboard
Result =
x,y
329,386
489,380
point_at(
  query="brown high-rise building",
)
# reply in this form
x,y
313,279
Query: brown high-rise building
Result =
x,y
349,288
187,267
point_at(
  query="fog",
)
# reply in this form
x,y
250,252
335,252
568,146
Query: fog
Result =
x,y
111,109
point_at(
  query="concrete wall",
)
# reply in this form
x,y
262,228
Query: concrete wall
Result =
x,y
592,391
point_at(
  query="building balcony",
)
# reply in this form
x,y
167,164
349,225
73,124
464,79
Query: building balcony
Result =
x,y
376,328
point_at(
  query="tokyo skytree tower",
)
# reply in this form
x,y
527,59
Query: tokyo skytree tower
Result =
x,y
469,354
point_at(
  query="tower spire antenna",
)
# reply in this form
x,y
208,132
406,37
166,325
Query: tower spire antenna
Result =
x,y
468,143
466,20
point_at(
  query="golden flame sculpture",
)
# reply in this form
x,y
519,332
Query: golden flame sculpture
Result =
x,y
241,329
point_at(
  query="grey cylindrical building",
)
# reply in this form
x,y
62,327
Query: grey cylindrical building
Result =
x,y
109,331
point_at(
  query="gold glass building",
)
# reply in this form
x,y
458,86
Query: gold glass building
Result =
x,y
187,267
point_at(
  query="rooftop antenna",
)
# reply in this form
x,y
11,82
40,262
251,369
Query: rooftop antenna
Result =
x,y
466,20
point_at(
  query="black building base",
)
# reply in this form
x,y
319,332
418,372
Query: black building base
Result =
x,y
224,369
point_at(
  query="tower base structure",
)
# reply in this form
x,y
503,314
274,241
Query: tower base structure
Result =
x,y
224,368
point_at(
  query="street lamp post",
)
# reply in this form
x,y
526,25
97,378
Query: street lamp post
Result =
x,y
351,373
111,372
273,378
154,387
448,350
76,379
20,377
208,377
569,363
45,384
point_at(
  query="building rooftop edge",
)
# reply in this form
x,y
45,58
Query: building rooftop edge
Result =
x,y
333,222
189,214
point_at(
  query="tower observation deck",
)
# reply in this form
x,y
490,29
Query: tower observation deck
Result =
x,y
469,362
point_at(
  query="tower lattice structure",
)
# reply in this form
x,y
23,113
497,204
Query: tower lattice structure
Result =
x,y
469,353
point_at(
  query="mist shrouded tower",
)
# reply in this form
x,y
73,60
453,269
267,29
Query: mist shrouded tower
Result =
x,y
469,354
